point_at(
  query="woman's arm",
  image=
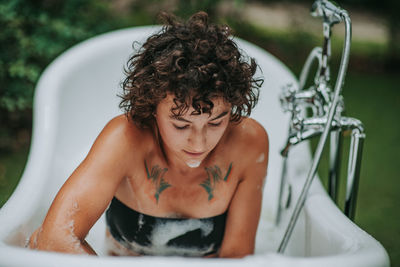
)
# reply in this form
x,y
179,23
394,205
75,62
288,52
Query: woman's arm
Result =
x,y
87,192
245,207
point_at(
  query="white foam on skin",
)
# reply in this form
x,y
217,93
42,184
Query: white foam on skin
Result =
x,y
72,240
194,164
35,236
260,158
113,247
70,227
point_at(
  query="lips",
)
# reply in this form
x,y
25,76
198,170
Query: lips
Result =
x,y
194,154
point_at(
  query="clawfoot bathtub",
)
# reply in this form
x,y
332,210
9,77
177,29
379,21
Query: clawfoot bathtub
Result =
x,y
74,99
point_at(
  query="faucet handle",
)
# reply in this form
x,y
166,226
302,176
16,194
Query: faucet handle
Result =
x,y
287,97
330,11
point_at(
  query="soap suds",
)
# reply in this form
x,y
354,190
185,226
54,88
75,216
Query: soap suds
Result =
x,y
260,158
140,221
35,237
194,163
115,248
164,232
72,240
70,227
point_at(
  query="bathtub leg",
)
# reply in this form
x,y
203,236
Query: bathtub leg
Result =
x,y
334,164
353,172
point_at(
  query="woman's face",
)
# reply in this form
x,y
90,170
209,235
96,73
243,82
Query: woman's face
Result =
x,y
190,138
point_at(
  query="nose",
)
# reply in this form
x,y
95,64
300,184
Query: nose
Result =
x,y
197,141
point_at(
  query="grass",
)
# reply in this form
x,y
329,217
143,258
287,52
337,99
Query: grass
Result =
x,y
379,197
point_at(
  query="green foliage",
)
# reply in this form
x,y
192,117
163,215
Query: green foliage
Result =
x,y
34,33
11,169
187,8
290,47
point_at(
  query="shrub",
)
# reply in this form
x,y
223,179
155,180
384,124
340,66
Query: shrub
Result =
x,y
35,32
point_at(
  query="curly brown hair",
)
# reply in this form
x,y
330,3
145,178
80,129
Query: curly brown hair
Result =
x,y
195,61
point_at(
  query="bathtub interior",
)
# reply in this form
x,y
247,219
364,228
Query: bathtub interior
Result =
x,y
77,96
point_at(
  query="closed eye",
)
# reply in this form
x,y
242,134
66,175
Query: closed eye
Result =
x,y
215,124
181,127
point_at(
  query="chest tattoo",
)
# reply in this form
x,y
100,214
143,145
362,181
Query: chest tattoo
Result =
x,y
214,176
156,175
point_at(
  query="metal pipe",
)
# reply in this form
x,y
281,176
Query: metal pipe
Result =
x,y
326,53
321,143
282,185
334,164
353,174
315,54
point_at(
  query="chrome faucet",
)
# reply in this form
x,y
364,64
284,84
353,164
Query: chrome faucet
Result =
x,y
316,111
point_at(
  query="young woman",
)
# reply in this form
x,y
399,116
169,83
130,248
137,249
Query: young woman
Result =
x,y
182,172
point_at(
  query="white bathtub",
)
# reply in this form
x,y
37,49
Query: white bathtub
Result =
x,y
67,118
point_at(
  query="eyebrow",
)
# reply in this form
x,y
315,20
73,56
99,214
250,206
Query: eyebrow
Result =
x,y
220,116
213,119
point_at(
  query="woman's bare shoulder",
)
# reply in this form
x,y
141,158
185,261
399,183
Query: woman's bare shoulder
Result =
x,y
250,130
249,136
126,130
122,134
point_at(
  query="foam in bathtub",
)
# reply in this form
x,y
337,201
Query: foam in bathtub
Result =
x,y
165,232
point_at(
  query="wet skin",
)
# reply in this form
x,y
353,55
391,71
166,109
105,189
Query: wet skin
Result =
x,y
191,166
